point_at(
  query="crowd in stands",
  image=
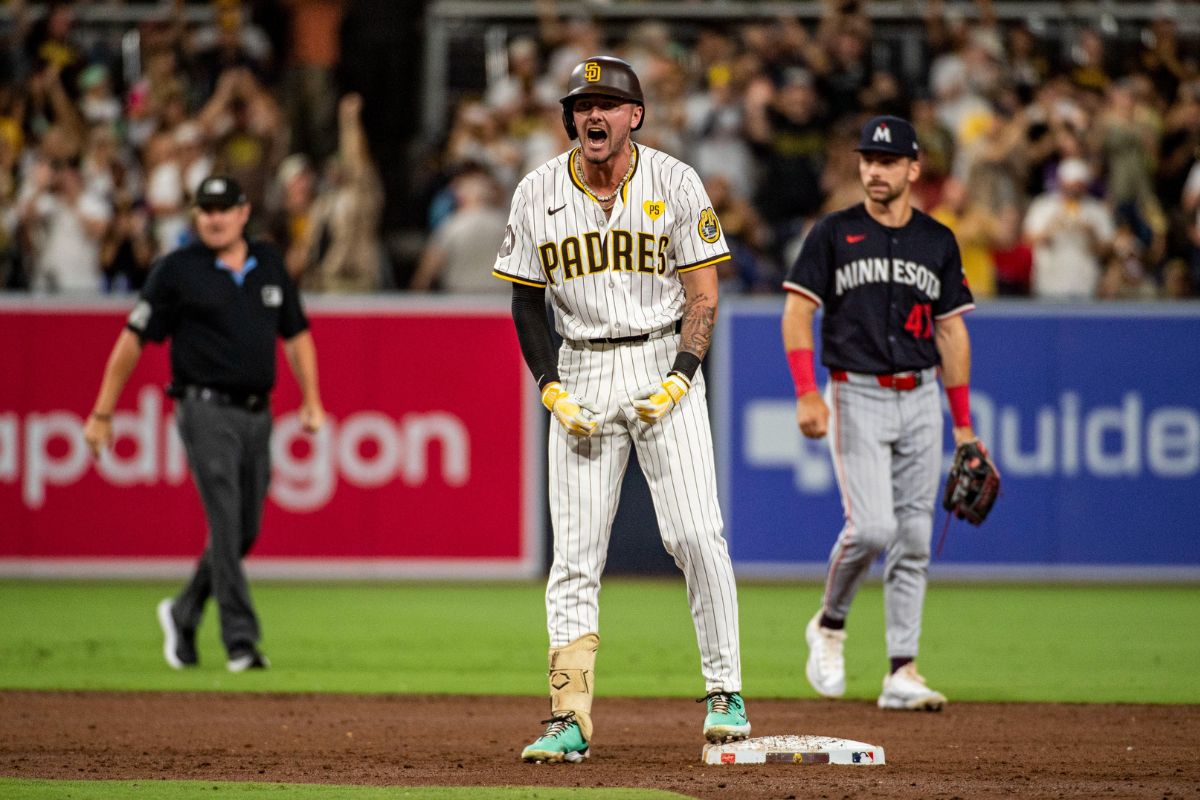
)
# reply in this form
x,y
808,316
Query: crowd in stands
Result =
x,y
102,146
1066,162
1068,166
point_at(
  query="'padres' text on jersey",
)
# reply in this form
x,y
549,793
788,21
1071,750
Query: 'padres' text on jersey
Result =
x,y
611,276
882,289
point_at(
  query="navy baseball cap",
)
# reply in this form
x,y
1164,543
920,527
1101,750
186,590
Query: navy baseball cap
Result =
x,y
219,191
889,135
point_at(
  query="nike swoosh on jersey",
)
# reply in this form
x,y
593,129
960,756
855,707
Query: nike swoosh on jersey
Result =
x,y
855,238
553,211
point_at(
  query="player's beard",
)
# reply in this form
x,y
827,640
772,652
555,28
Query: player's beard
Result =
x,y
885,198
616,145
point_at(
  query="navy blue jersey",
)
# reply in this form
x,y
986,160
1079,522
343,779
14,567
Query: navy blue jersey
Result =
x,y
882,289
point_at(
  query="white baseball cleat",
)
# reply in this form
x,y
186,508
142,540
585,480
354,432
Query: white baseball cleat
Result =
x,y
826,667
906,690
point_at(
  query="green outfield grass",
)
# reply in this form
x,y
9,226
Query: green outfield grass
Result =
x,y
206,790
1076,643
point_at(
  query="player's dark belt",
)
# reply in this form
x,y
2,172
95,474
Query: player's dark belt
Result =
x,y
900,381
641,337
251,401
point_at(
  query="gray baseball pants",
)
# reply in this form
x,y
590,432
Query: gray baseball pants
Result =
x,y
229,453
887,456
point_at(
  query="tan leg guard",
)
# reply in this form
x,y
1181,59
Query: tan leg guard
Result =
x,y
571,680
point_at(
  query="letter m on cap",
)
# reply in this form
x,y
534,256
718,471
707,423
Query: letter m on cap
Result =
x,y
882,134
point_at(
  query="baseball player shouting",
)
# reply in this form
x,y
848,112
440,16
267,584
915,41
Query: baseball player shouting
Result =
x,y
890,281
624,239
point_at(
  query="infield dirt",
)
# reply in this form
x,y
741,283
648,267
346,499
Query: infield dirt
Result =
x,y
971,750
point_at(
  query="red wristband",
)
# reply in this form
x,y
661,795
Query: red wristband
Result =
x,y
960,405
800,361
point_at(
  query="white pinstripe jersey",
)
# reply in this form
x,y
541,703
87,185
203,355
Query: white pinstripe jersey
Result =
x,y
611,276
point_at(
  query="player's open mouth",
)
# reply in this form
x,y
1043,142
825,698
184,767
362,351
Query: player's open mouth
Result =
x,y
597,135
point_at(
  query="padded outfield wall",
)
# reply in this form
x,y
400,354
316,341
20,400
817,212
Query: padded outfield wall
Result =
x,y
433,465
428,467
1091,412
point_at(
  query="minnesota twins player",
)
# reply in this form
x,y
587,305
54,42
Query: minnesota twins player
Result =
x,y
890,282
624,239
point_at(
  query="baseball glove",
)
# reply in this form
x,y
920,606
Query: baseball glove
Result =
x,y
972,484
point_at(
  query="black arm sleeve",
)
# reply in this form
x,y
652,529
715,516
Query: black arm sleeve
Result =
x,y
533,331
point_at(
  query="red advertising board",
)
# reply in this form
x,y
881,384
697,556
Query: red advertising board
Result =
x,y
424,466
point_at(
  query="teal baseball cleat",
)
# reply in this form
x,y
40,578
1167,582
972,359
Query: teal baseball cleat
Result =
x,y
562,742
726,719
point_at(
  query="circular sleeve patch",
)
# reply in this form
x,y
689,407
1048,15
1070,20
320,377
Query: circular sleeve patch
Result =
x,y
709,227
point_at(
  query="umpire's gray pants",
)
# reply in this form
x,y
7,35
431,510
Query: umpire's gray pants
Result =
x,y
229,453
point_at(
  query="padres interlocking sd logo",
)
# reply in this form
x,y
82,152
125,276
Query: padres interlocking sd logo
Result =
x,y
709,227
591,72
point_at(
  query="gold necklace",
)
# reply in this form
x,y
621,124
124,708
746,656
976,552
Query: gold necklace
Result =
x,y
602,199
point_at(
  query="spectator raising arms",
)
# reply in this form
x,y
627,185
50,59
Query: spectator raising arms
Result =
x,y
345,250
65,224
1071,233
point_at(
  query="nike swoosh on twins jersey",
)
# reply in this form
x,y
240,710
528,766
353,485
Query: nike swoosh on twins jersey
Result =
x,y
553,211
855,238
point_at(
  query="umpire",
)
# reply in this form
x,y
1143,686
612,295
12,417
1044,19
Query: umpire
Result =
x,y
221,301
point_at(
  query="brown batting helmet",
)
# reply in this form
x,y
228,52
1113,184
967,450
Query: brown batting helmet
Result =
x,y
601,75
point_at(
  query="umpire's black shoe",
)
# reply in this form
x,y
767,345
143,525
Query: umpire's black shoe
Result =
x,y
246,659
179,645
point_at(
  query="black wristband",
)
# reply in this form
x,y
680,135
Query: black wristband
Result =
x,y
101,417
686,364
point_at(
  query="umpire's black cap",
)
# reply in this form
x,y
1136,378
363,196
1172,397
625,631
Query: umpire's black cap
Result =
x,y
219,191
889,135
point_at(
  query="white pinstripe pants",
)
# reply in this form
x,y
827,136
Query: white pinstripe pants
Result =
x,y
887,456
676,456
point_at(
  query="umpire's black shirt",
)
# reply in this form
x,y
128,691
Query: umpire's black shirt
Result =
x,y
222,333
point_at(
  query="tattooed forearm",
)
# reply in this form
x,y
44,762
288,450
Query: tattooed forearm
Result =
x,y
699,318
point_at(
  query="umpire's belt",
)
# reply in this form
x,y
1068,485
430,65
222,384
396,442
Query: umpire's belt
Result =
x,y
675,327
900,381
247,400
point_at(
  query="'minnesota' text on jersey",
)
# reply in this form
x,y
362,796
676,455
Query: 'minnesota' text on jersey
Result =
x,y
857,269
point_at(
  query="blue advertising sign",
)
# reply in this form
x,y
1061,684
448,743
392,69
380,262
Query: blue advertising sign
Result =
x,y
1092,415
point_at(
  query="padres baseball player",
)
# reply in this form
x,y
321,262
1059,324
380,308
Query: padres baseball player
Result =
x,y
890,282
624,239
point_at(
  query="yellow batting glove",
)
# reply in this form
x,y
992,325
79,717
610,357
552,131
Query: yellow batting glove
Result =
x,y
653,402
578,417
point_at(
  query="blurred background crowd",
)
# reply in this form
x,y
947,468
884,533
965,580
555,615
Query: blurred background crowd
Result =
x,y
1064,151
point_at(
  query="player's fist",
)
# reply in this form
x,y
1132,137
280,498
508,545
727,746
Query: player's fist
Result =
x,y
98,433
578,417
812,415
654,401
